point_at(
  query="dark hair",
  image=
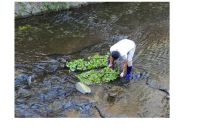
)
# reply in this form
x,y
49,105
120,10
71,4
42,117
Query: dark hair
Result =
x,y
115,55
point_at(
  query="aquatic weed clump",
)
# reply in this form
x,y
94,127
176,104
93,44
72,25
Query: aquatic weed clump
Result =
x,y
95,62
106,74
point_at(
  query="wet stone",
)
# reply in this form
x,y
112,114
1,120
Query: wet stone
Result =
x,y
39,72
84,104
55,106
20,79
69,58
22,93
50,68
62,60
37,106
54,79
61,66
82,88
67,102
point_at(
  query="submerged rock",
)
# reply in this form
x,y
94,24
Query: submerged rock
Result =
x,y
49,68
115,91
61,66
62,60
83,104
82,88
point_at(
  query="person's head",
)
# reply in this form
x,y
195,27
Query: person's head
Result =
x,y
115,55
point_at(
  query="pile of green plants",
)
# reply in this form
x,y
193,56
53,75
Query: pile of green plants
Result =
x,y
106,74
95,62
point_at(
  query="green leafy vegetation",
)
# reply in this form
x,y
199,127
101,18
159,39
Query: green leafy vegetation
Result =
x,y
47,5
56,4
95,62
106,74
68,5
22,9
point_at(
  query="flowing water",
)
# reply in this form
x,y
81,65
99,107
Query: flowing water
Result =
x,y
43,42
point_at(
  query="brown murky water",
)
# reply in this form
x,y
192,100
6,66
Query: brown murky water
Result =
x,y
79,33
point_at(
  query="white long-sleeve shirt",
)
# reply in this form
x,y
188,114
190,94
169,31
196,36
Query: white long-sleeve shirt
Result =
x,y
123,47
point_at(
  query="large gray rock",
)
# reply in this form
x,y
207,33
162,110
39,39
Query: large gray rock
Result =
x,y
82,88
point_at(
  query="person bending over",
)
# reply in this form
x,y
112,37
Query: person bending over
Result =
x,y
126,49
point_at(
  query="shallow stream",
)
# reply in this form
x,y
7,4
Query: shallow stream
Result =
x,y
43,43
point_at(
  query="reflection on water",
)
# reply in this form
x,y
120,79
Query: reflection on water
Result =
x,y
81,32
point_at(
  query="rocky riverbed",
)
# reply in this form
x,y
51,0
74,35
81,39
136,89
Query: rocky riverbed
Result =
x,y
48,90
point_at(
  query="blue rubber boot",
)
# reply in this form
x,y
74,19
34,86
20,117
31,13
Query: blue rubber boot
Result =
x,y
128,74
108,62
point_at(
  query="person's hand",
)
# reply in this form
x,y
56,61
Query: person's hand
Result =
x,y
121,75
110,66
